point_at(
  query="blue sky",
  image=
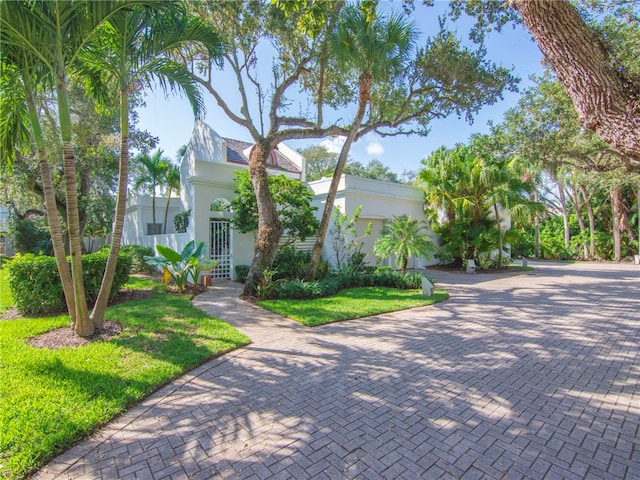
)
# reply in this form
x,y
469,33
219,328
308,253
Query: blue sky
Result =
x,y
172,119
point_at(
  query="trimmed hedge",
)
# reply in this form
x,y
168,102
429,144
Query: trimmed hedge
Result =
x,y
241,273
36,287
380,277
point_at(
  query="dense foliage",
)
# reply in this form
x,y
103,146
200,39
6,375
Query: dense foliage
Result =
x,y
292,200
332,284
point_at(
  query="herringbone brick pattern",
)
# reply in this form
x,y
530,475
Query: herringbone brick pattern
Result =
x,y
530,376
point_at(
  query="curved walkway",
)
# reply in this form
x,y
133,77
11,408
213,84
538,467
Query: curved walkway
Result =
x,y
535,375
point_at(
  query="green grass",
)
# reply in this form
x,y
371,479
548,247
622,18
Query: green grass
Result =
x,y
515,266
352,303
6,300
51,398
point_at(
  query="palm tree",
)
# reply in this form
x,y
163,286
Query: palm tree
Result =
x,y
172,184
54,33
152,172
439,178
133,51
376,50
403,237
20,74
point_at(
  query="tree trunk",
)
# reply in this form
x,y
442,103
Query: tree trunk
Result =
x,y
615,207
153,208
638,200
537,228
166,211
500,242
364,97
269,226
608,103
592,222
583,229
49,195
97,315
83,324
565,215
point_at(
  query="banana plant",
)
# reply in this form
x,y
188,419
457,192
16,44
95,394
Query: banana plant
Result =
x,y
185,267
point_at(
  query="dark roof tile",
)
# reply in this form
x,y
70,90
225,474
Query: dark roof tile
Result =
x,y
235,154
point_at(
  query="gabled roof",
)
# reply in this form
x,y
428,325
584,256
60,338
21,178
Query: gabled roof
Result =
x,y
238,152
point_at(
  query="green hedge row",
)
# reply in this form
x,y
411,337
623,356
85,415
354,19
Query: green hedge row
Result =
x,y
35,283
137,252
380,277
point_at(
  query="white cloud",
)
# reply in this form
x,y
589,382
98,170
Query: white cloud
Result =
x,y
375,148
333,144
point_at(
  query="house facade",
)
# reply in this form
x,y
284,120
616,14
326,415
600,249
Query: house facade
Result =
x,y
380,202
207,187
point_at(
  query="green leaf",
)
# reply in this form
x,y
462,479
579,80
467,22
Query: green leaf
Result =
x,y
170,254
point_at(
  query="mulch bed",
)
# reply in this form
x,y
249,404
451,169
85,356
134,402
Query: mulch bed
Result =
x,y
66,337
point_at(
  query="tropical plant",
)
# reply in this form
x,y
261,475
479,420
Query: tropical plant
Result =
x,y
150,172
181,221
291,198
184,267
134,51
172,185
346,242
403,237
46,39
373,50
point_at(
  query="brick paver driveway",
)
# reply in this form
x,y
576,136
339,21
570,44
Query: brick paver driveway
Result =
x,y
529,376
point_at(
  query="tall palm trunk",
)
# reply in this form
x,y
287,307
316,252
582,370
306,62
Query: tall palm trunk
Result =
x,y
50,205
83,324
166,211
97,315
269,226
592,222
153,207
365,82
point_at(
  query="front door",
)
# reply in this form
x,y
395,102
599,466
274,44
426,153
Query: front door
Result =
x,y
221,247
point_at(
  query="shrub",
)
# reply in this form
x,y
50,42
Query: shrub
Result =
x,y
137,253
381,277
241,273
181,222
35,283
31,236
414,280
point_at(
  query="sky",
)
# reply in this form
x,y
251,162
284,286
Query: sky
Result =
x,y
171,119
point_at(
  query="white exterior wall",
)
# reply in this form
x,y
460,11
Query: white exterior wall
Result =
x,y
380,201
205,175
138,213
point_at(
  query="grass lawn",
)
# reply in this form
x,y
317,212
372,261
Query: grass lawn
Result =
x,y
515,266
6,301
352,303
51,398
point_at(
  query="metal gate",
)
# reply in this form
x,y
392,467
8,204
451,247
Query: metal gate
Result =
x,y
220,234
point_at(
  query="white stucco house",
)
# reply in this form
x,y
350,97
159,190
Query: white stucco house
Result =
x,y
207,182
380,202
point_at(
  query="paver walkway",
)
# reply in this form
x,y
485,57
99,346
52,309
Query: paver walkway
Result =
x,y
528,376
